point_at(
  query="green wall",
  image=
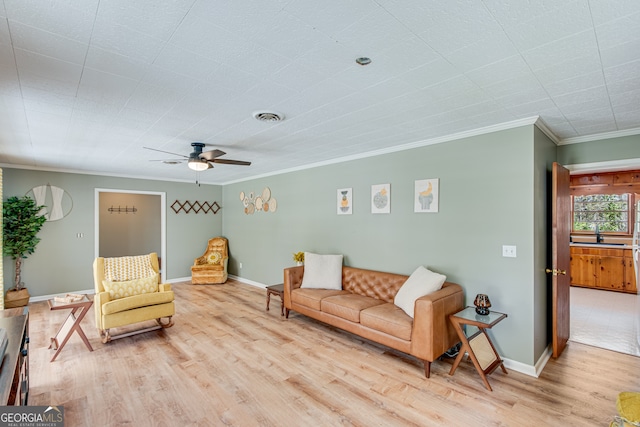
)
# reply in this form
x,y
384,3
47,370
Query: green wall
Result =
x,y
622,148
487,198
62,262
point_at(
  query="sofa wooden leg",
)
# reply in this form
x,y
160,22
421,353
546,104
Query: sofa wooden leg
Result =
x,y
104,334
427,368
165,325
286,313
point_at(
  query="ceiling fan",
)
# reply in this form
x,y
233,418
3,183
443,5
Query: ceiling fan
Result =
x,y
200,161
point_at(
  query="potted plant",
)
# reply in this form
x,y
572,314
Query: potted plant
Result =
x,y
298,257
21,224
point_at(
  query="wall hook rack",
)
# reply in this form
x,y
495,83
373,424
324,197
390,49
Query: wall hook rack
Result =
x,y
124,210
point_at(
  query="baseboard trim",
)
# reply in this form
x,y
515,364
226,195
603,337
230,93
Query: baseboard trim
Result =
x,y
247,281
532,371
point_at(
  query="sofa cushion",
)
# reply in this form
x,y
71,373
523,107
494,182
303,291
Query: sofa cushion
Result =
x,y
388,318
322,271
348,306
129,288
137,301
311,298
421,282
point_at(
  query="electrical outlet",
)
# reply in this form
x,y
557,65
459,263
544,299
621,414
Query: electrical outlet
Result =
x,y
240,265
508,251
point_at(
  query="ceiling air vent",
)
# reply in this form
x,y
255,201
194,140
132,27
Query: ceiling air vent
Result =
x,y
268,116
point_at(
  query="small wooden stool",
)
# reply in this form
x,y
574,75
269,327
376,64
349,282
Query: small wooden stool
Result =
x,y
276,290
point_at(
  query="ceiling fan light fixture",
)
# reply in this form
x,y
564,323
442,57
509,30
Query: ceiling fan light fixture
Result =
x,y
198,165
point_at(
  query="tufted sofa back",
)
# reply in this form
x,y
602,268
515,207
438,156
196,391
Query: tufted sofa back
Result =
x,y
376,284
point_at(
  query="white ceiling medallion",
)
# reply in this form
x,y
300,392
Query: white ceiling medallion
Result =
x,y
268,116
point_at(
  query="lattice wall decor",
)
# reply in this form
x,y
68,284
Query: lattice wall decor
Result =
x,y
195,207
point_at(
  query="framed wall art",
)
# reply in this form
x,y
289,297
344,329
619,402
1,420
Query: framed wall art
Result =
x,y
345,201
381,199
426,195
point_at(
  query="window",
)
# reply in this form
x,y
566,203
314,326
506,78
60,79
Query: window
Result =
x,y
608,212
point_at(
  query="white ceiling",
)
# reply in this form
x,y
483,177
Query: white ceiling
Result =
x,y
86,84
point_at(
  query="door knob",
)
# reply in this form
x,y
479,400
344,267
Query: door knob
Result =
x,y
556,272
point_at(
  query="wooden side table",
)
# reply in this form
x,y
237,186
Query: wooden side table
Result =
x,y
79,309
276,290
483,354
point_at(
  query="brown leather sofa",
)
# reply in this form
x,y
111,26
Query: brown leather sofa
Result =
x,y
427,336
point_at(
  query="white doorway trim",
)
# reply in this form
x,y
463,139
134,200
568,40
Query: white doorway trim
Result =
x,y
163,221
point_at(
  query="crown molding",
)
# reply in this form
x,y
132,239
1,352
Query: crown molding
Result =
x,y
97,173
540,124
535,120
600,136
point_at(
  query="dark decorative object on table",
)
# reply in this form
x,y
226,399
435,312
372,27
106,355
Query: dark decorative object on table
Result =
x,y
482,304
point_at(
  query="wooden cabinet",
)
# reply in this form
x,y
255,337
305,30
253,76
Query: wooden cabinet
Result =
x,y
583,269
630,284
603,268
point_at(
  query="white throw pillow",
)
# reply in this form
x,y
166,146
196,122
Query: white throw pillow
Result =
x,y
421,282
322,271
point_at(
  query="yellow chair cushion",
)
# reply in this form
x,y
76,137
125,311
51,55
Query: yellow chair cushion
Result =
x,y
628,406
128,288
137,301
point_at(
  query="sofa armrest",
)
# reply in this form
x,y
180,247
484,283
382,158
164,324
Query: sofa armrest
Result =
x,y
164,287
292,280
432,332
98,300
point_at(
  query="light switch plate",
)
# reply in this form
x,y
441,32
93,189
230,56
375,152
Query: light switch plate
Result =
x,y
508,251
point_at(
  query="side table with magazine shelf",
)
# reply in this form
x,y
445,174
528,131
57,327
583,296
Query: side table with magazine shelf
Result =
x,y
481,350
79,306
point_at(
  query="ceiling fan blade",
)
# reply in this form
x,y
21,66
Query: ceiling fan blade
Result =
x,y
231,162
166,152
210,155
169,161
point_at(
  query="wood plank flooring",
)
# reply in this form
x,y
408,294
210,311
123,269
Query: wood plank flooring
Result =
x,y
227,361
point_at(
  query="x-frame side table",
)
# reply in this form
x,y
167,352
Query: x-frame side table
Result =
x,y
481,350
79,309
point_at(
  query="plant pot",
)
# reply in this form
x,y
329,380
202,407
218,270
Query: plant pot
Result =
x,y
16,298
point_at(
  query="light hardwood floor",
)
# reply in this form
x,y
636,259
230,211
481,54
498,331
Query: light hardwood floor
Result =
x,y
227,361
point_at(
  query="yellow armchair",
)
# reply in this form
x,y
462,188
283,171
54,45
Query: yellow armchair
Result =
x,y
127,292
211,267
